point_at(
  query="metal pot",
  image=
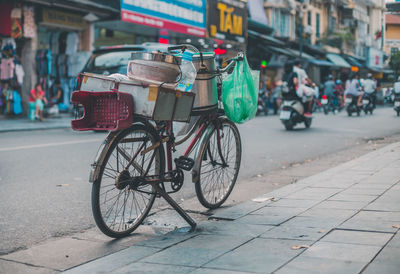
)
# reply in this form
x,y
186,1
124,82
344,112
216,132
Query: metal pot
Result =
x,y
155,66
205,85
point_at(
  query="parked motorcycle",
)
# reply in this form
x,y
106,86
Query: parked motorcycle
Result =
x,y
368,105
352,106
292,113
397,103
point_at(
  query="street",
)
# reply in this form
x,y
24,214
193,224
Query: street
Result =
x,y
44,174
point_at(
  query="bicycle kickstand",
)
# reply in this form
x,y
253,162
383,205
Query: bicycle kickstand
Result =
x,y
175,206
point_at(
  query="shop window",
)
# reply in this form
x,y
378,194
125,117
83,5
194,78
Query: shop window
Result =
x,y
109,33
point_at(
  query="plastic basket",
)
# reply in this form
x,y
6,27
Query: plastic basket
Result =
x,y
105,110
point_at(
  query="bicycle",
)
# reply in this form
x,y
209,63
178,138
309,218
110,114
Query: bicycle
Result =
x,y
133,168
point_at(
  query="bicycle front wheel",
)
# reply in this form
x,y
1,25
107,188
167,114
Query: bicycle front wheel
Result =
x,y
120,199
220,164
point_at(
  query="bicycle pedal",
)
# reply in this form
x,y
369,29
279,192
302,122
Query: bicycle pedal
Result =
x,y
184,163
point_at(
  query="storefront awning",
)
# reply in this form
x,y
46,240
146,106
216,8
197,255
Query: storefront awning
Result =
x,y
321,63
280,51
338,60
304,55
266,38
353,61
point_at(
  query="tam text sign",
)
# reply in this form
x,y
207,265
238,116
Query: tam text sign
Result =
x,y
227,20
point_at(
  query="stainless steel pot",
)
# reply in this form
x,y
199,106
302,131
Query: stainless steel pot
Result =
x,y
205,85
155,66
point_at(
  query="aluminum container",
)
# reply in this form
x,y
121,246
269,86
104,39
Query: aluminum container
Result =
x,y
154,66
205,86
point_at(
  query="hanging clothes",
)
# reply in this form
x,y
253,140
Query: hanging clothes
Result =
x,y
29,22
19,73
72,43
7,68
54,43
17,107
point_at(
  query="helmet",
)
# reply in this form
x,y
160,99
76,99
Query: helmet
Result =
x,y
338,82
369,75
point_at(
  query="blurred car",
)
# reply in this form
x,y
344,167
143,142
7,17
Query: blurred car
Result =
x,y
114,59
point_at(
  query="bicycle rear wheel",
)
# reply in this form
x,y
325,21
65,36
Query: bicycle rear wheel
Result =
x,y
220,165
120,202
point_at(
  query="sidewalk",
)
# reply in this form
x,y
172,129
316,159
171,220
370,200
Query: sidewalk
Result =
x,y
23,123
343,220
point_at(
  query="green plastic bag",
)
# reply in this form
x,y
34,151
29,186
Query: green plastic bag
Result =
x,y
240,93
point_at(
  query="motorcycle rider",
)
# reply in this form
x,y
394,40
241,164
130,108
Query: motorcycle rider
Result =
x,y
329,89
370,88
304,88
339,92
396,86
354,89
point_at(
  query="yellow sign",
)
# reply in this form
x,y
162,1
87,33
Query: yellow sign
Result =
x,y
228,22
60,19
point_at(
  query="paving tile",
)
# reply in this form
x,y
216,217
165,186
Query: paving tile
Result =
x,y
314,193
270,215
341,205
238,211
357,237
309,265
395,241
216,242
325,223
284,231
19,268
379,185
373,221
382,206
184,256
198,250
352,197
259,255
364,191
294,203
154,268
61,254
377,216
341,251
114,261
383,268
334,213
169,239
365,225
232,228
389,255
204,270
264,220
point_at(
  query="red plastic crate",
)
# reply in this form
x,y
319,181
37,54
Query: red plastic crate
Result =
x,y
106,110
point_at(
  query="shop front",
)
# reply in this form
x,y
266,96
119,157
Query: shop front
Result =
x,y
12,36
63,48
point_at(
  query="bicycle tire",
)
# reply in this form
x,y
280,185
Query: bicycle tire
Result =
x,y
214,179
120,185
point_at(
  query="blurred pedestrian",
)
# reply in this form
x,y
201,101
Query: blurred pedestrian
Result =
x,y
37,99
